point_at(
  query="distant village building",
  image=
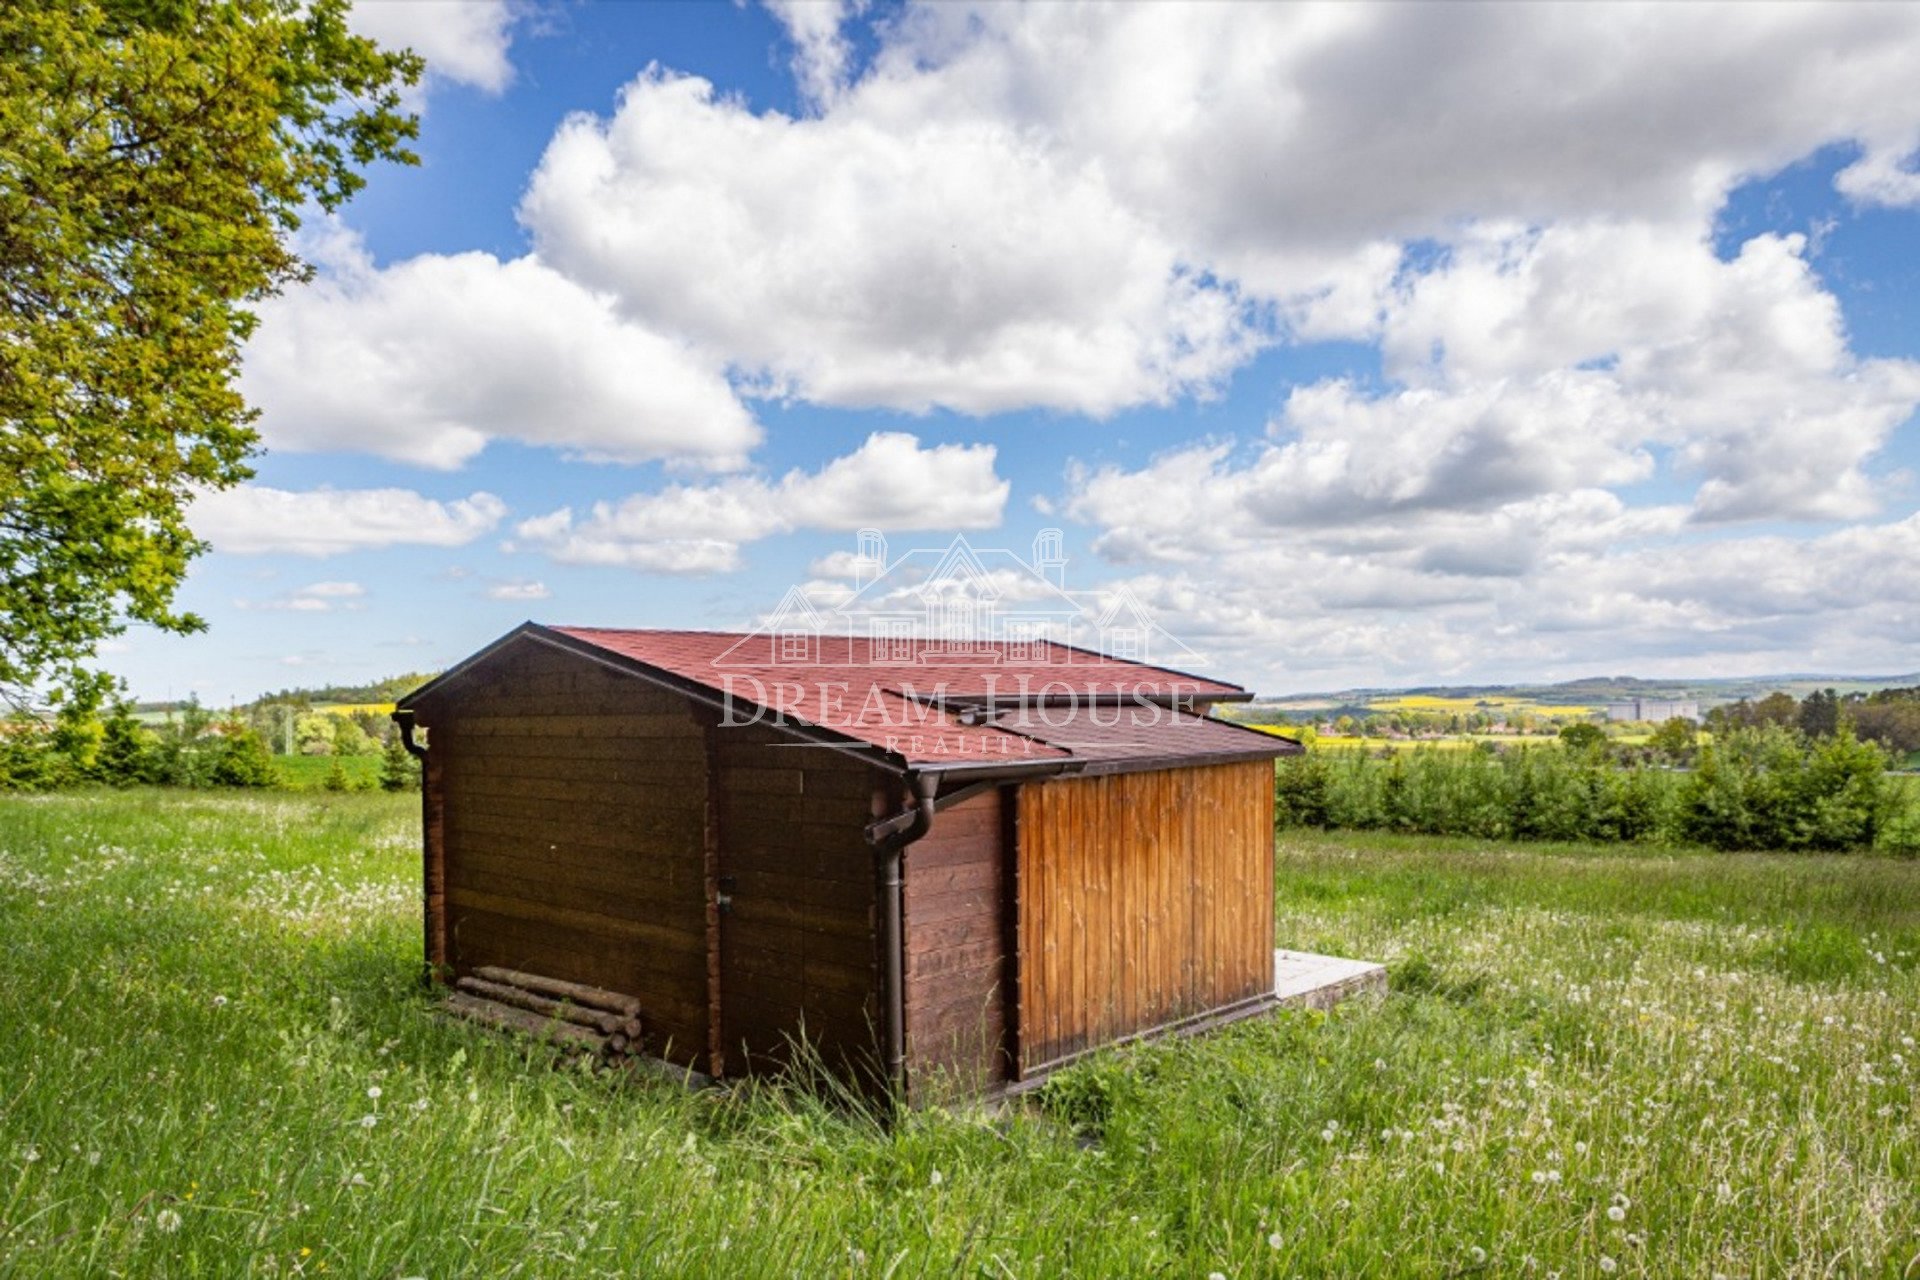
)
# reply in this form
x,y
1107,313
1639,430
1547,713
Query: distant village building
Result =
x,y
1655,710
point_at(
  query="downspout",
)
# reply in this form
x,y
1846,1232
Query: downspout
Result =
x,y
405,720
890,838
432,873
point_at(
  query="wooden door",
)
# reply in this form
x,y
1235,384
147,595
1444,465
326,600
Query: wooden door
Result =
x,y
794,947
1144,899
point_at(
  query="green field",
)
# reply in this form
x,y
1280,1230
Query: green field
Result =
x,y
219,1062
309,773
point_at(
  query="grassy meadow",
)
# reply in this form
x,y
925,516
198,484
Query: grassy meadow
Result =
x,y
309,773
218,1061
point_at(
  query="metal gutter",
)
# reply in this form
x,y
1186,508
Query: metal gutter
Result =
x,y
979,770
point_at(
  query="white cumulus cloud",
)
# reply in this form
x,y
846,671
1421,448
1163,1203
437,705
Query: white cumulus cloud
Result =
x,y
904,265
890,482
427,360
518,590
256,519
463,41
821,53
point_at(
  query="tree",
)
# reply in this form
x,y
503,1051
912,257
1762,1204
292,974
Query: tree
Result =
x,y
399,771
77,731
1820,714
154,158
1890,717
123,746
1583,737
349,739
313,733
1676,739
182,754
336,779
244,760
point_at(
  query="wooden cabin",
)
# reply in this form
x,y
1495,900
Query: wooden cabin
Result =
x,y
928,860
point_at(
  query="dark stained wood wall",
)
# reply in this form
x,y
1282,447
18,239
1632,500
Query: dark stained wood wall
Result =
x,y
957,928
798,944
572,803
1144,898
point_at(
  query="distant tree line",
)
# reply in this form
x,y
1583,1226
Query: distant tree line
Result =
x,y
1762,786
1890,717
94,737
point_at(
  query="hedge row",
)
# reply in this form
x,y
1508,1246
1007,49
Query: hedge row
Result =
x,y
1765,788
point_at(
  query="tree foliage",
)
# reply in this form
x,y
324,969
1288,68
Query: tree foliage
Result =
x,y
154,158
1761,788
399,771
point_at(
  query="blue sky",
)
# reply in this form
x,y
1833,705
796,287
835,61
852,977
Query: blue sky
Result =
x,y
1353,368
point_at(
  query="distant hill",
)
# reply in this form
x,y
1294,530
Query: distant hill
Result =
x,y
1709,692
378,691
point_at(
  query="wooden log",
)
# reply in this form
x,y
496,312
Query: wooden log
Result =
x,y
580,994
499,1015
500,993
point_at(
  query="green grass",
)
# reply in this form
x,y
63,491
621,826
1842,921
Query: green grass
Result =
x,y
309,773
202,992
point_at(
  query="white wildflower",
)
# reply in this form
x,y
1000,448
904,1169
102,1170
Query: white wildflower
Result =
x,y
1607,1264
373,1092
1273,1240
368,1121
167,1220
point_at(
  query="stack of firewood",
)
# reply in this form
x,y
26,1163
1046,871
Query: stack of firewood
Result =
x,y
593,1020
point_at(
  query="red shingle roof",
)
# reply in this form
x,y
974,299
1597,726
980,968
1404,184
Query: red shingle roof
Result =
x,y
923,704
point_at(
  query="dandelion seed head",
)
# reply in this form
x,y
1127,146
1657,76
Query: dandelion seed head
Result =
x,y
369,1120
1616,1213
167,1220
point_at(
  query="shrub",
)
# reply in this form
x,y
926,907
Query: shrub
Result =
x,y
1765,787
399,771
243,761
125,748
